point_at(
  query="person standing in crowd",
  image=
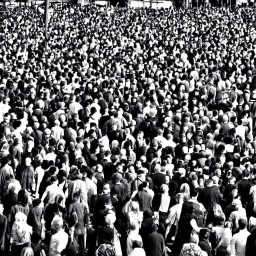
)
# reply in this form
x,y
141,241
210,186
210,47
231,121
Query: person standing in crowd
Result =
x,y
140,120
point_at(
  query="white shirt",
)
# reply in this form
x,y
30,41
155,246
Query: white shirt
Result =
x,y
58,243
165,202
50,157
240,130
57,132
137,252
133,236
74,107
238,243
52,191
40,174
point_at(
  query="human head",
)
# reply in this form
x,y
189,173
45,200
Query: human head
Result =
x,y
20,217
23,197
56,224
137,244
134,225
242,223
194,238
164,189
27,251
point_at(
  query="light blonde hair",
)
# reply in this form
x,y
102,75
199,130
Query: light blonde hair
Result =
x,y
20,217
27,251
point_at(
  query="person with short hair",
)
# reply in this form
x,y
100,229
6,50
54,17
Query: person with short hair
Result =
x,y
192,247
137,249
238,242
59,239
133,236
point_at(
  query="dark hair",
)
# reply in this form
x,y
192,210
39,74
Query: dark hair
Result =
x,y
35,238
137,244
193,193
187,208
242,223
204,233
23,197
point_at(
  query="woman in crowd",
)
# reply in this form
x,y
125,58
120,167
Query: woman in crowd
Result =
x,y
140,120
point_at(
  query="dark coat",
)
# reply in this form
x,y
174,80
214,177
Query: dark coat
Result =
x,y
208,197
154,245
9,201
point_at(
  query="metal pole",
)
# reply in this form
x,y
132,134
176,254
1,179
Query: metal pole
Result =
x,y
46,17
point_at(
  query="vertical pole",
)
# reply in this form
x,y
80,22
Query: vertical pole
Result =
x,y
46,17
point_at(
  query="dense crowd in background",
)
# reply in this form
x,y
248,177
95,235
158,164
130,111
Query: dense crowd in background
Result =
x,y
128,132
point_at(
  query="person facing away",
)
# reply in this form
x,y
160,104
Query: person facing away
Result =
x,y
238,242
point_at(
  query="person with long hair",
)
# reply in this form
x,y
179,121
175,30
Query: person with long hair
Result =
x,y
187,223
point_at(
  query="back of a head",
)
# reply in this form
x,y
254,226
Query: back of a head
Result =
x,y
204,234
110,218
27,251
23,197
242,223
134,225
137,244
20,217
57,223
194,238
194,193
164,188
187,208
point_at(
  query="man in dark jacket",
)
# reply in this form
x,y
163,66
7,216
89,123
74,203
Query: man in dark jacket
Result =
x,y
244,187
9,200
209,195
143,197
204,244
155,245
158,178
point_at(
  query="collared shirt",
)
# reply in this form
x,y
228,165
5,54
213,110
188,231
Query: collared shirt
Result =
x,y
238,243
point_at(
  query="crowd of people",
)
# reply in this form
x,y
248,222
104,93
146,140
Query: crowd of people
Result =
x,y
128,132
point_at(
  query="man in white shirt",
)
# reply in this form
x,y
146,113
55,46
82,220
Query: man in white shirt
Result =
x,y
57,131
238,242
52,191
51,156
59,240
74,106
